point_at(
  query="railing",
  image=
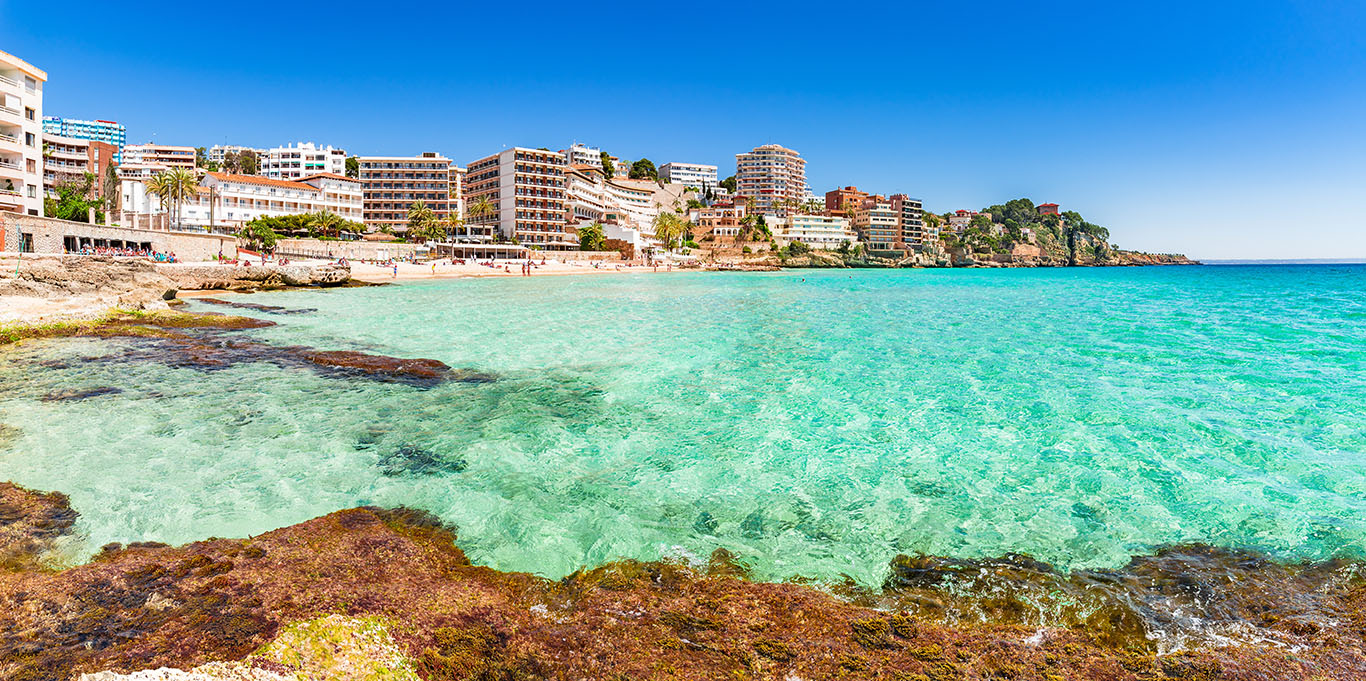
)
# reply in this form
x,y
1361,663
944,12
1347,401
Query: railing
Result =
x,y
7,109
6,137
8,81
8,164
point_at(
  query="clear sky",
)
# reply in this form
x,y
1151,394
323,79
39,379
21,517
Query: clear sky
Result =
x,y
1222,130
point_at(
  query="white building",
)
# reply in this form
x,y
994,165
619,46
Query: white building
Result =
x,y
578,154
295,161
773,176
159,154
527,190
825,232
226,202
21,138
695,175
218,152
878,223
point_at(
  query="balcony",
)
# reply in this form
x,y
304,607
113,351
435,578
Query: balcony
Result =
x,y
7,113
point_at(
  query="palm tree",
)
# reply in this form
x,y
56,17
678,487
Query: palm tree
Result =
x,y
668,228
422,222
157,186
451,223
180,184
480,208
326,222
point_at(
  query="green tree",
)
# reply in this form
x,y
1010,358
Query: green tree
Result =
x,y
644,169
423,225
111,187
75,198
181,185
669,227
201,157
259,234
326,223
352,167
591,238
798,248
250,165
607,168
729,184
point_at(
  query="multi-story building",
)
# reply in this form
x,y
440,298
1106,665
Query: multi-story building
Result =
x,y
21,137
225,202
580,155
1047,209
527,190
626,208
877,224
910,221
218,153
825,232
68,158
158,154
108,132
394,183
773,176
294,161
960,219
697,175
844,201
720,219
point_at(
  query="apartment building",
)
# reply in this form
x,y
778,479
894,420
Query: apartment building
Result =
x,y
294,161
218,153
697,175
824,232
877,224
773,176
527,190
158,154
718,220
844,201
107,132
226,201
910,221
393,183
21,133
68,158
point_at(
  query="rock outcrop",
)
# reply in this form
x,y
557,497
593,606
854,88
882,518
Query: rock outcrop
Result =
x,y
240,277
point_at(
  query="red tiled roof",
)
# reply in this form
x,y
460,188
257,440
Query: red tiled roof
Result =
x,y
331,175
253,179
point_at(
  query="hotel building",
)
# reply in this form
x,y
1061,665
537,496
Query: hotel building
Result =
x,y
773,176
824,232
910,220
294,161
718,220
580,155
689,174
68,158
877,224
527,190
107,132
21,136
226,202
159,154
393,183
844,201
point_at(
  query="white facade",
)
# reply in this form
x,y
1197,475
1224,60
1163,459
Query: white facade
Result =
x,y
578,154
226,202
773,176
21,137
218,152
527,189
294,161
160,154
825,232
689,174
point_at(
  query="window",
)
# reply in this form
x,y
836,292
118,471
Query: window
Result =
x,y
29,113
29,139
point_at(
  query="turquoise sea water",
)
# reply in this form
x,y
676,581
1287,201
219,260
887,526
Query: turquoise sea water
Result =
x,y
815,423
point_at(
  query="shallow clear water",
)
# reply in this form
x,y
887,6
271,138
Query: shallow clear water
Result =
x,y
815,423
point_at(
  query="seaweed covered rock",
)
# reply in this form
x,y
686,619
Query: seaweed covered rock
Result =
x,y
30,523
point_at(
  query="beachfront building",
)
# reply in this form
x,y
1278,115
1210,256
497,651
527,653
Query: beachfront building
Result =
x,y
160,155
392,184
218,153
107,132
294,161
625,208
226,202
910,221
527,190
721,219
773,176
66,159
696,175
823,232
877,225
21,136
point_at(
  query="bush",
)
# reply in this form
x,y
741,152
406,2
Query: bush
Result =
x,y
746,250
798,248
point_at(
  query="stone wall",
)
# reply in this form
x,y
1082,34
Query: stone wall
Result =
x,y
51,236
351,250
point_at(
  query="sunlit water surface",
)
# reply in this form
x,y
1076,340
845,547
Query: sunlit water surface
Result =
x,y
814,423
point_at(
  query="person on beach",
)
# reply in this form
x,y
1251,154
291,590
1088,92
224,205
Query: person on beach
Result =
x,y
395,270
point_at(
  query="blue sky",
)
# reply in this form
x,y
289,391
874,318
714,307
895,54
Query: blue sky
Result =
x,y
1222,130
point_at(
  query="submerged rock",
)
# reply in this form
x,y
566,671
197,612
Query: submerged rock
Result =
x,y
410,460
226,600
81,394
30,524
269,309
